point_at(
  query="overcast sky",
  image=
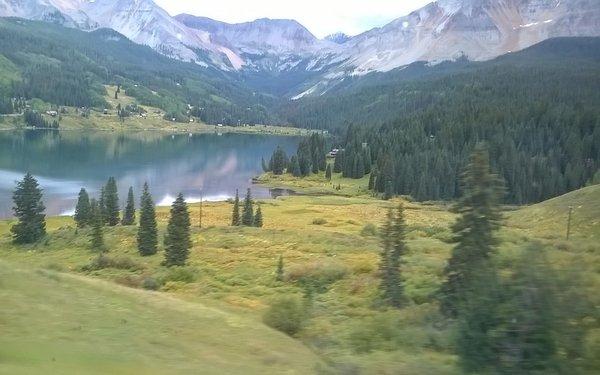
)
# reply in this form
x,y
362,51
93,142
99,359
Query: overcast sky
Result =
x,y
321,17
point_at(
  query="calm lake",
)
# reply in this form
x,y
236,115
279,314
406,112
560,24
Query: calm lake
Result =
x,y
208,165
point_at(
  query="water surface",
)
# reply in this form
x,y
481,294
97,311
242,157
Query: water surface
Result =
x,y
208,165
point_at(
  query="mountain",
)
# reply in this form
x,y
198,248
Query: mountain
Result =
x,y
477,29
142,21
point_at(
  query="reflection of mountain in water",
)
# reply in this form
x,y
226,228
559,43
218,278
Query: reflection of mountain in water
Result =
x,y
209,165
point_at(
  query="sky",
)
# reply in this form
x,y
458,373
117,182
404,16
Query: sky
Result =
x,y
321,17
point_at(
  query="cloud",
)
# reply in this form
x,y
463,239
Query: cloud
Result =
x,y
319,16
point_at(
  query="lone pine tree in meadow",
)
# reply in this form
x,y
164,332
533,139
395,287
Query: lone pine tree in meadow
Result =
x,y
394,248
474,231
111,202
29,210
177,239
258,218
470,293
83,213
328,172
147,237
235,216
129,213
248,211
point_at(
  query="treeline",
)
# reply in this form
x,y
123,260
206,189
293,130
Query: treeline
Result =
x,y
310,158
35,119
540,120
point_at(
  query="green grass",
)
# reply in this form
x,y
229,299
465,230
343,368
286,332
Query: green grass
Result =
x,y
233,271
63,324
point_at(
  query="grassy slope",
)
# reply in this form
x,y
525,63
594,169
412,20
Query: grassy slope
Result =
x,y
237,265
58,323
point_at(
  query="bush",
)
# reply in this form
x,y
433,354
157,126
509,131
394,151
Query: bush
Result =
x,y
150,283
369,230
286,314
103,261
317,276
184,275
319,221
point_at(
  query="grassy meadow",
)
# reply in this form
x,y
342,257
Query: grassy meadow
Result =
x,y
327,241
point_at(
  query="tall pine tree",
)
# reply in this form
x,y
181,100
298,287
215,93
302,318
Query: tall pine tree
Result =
x,y
111,202
97,233
258,218
248,211
235,215
177,239
129,213
147,237
29,210
393,249
83,214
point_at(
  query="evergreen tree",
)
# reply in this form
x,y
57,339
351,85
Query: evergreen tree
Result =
x,y
372,178
279,161
147,237
102,204
83,214
394,248
97,233
338,164
129,213
29,210
235,216
258,218
111,202
389,190
474,231
328,172
279,273
295,167
177,239
248,211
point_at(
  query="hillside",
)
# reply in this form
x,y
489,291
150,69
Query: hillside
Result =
x,y
329,242
68,67
59,323
549,219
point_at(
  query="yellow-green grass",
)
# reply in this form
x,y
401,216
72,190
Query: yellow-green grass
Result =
x,y
54,323
317,184
324,236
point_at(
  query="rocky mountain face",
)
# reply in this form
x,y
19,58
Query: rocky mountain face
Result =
x,y
442,30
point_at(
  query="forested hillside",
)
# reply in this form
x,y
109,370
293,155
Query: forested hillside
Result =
x,y
537,110
69,67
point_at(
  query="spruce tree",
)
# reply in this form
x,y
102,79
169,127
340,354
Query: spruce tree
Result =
x,y
129,213
279,273
97,233
295,167
474,231
102,204
248,211
328,172
372,179
177,238
111,202
279,161
338,164
147,237
393,249
29,210
389,190
235,216
470,293
83,214
258,218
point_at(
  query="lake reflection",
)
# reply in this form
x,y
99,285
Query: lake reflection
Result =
x,y
197,165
